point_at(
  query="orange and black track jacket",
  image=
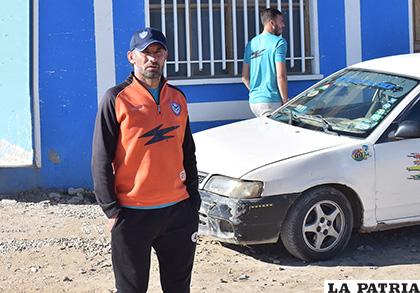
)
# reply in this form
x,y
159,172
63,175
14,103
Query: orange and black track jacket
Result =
x,y
143,152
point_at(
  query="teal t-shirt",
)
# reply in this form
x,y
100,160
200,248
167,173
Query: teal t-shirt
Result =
x,y
262,53
155,93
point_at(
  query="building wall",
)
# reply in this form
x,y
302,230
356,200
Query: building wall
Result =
x,y
385,28
69,78
332,36
128,18
67,93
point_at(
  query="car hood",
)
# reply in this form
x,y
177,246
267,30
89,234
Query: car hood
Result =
x,y
238,148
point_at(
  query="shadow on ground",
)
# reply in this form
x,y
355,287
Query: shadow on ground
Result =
x,y
378,249
54,196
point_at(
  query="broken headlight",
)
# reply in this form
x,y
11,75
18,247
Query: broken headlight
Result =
x,y
233,187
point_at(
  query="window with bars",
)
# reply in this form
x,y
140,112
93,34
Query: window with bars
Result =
x,y
207,38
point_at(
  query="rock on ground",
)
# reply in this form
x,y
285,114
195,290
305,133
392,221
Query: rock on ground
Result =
x,y
51,242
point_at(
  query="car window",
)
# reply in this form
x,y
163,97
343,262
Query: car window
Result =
x,y
352,102
414,113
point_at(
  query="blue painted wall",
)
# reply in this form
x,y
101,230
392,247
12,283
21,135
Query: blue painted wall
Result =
x,y
128,17
67,76
332,35
15,109
67,90
233,92
19,179
385,28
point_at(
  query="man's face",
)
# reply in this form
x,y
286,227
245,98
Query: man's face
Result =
x,y
278,25
149,63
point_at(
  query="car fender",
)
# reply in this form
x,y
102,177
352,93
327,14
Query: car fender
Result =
x,y
351,165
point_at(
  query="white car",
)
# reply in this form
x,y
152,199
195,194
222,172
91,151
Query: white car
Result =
x,y
342,155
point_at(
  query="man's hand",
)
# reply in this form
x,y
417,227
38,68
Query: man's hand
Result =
x,y
245,74
112,221
282,81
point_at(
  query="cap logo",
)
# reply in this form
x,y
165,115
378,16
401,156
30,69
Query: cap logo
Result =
x,y
142,35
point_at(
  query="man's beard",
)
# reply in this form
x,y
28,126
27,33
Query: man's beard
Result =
x,y
152,74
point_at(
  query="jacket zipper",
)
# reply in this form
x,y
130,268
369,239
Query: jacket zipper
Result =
x,y
158,101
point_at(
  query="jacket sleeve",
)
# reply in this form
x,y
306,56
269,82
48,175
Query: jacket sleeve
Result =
x,y
190,166
104,144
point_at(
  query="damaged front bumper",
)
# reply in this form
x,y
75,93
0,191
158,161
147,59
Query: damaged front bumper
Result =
x,y
243,221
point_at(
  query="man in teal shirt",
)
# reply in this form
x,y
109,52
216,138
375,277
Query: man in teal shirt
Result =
x,y
264,68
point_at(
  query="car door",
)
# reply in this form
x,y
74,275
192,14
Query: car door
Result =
x,y
398,171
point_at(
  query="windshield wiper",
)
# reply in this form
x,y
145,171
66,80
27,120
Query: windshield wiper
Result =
x,y
293,117
290,116
326,126
285,113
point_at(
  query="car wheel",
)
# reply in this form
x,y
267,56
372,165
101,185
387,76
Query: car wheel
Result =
x,y
318,225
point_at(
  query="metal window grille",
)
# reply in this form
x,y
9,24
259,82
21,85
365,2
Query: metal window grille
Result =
x,y
207,38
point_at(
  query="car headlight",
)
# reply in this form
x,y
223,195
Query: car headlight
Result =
x,y
233,187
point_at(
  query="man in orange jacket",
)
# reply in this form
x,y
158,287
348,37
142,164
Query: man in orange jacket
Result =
x,y
144,171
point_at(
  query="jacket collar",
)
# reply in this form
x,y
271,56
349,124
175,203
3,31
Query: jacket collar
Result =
x,y
133,78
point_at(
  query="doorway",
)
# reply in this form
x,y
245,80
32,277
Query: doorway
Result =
x,y
16,147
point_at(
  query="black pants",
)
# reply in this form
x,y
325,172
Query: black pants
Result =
x,y
171,231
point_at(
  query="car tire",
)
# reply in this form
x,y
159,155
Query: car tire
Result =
x,y
319,224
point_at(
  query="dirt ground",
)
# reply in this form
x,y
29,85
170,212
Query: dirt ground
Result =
x,y
52,243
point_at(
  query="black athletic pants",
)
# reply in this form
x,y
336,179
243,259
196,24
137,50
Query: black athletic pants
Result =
x,y
171,231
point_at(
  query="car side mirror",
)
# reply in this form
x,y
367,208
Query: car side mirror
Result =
x,y
406,129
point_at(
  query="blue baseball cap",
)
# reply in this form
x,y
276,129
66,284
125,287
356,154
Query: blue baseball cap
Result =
x,y
141,39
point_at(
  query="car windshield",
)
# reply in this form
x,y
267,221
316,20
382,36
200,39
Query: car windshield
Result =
x,y
351,103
